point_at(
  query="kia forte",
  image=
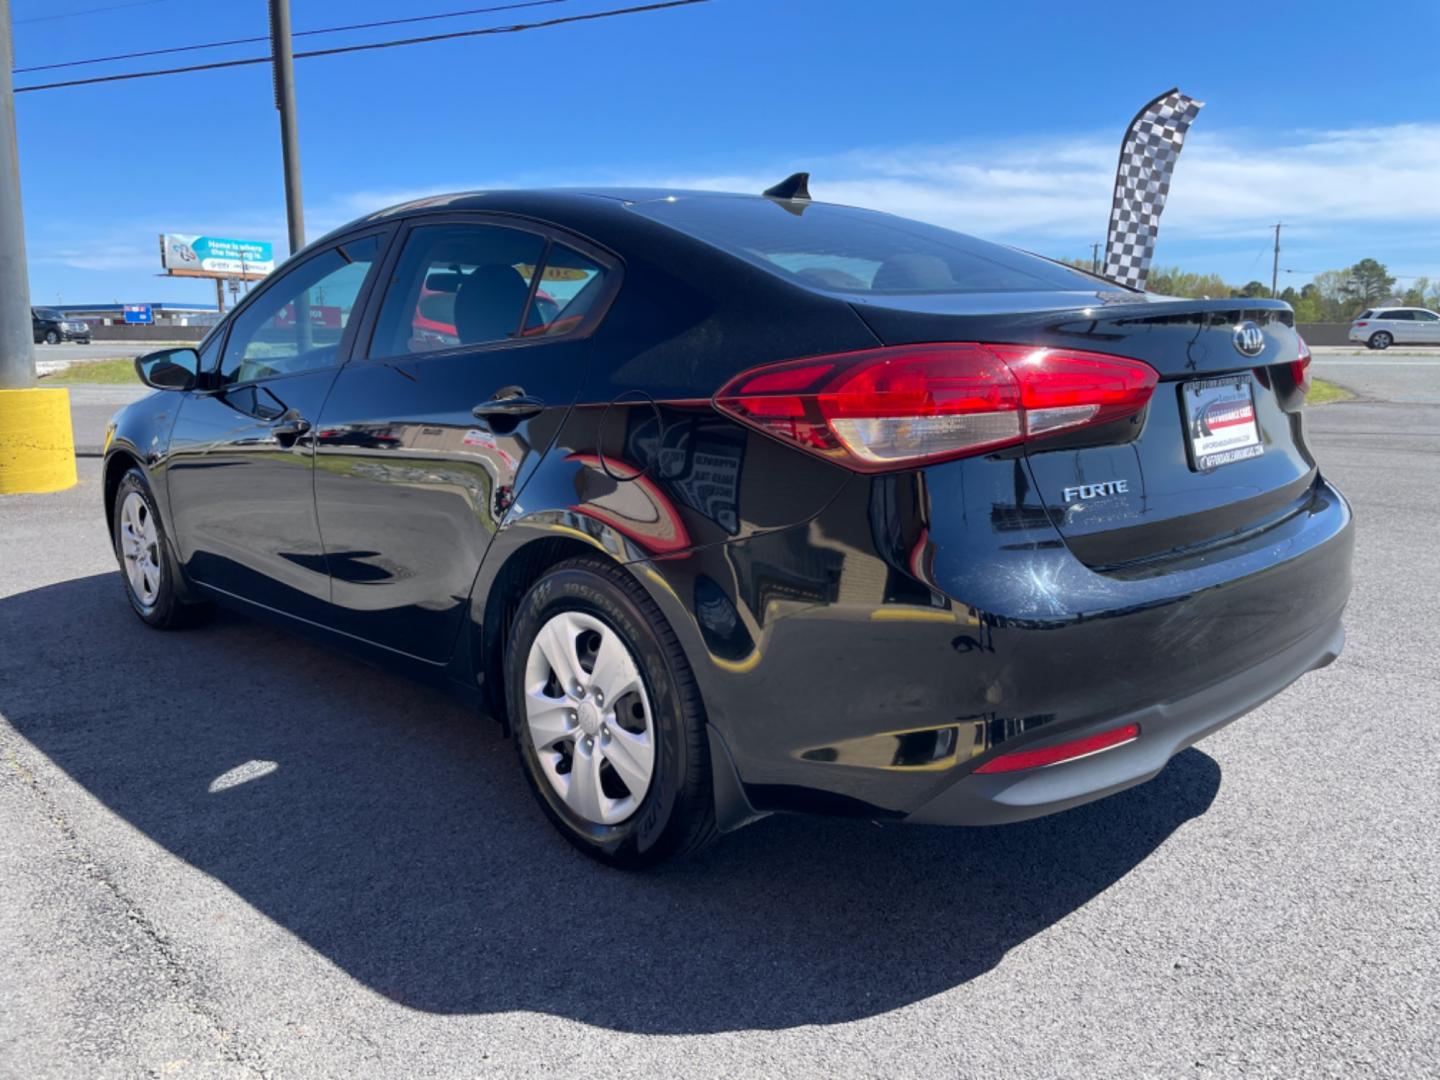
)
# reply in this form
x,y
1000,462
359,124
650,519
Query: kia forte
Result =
x,y
725,505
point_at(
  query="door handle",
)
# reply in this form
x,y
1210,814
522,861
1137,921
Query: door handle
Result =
x,y
289,428
511,403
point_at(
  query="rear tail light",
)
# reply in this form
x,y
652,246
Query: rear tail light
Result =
x,y
906,405
1066,751
1362,323
1300,367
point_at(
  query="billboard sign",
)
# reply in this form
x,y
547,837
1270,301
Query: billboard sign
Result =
x,y
139,313
211,256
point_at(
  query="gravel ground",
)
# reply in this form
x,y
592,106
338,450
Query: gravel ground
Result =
x,y
230,852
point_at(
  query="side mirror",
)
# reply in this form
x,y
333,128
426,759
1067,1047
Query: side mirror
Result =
x,y
169,369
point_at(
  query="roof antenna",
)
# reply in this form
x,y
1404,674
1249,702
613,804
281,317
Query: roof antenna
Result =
x,y
794,186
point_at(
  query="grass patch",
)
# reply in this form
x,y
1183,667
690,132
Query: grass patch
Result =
x,y
1323,392
120,371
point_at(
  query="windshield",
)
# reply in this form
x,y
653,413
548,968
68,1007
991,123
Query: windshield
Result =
x,y
48,313
842,249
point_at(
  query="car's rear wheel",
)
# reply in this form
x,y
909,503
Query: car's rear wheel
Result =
x,y
1381,339
52,338
607,718
145,565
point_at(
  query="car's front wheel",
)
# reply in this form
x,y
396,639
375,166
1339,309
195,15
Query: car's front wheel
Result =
x,y
607,718
52,338
1380,340
145,566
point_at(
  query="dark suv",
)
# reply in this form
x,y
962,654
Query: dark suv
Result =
x,y
52,327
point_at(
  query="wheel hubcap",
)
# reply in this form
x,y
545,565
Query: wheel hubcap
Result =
x,y
589,718
140,548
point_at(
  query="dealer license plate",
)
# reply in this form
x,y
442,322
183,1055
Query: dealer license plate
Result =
x,y
1220,420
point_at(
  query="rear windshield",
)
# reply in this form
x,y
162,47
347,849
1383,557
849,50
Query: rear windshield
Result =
x,y
841,249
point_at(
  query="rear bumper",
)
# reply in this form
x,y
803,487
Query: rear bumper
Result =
x,y
1165,730
864,664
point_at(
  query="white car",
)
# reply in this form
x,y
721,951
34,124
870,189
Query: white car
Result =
x,y
1380,328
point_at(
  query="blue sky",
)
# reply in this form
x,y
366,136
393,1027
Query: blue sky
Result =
x,y
1001,120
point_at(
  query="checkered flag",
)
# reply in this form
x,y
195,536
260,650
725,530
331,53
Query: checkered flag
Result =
x,y
1142,181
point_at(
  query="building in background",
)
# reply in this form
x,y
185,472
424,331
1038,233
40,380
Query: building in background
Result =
x,y
161,314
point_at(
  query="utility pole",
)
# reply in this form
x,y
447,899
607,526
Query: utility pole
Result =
x,y
1095,258
37,446
283,64
1275,266
17,369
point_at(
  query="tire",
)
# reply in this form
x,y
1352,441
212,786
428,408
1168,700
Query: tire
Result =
x,y
52,338
138,536
596,605
1380,340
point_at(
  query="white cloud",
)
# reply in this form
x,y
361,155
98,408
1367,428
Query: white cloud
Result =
x,y
1343,194
104,257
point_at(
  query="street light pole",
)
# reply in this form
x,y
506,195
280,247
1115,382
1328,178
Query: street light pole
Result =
x,y
283,65
37,446
17,366
1275,266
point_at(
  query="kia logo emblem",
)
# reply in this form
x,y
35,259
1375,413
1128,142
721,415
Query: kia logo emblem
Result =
x,y
1249,339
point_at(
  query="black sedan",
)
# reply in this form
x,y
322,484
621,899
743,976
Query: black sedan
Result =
x,y
727,504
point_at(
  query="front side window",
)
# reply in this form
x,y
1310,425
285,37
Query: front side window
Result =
x,y
296,324
1425,316
210,350
458,285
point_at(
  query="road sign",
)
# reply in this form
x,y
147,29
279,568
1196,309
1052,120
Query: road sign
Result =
x,y
139,313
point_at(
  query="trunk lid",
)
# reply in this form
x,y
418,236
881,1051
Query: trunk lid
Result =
x,y
1191,474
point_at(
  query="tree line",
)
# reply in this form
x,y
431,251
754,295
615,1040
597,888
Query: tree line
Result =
x,y
1334,296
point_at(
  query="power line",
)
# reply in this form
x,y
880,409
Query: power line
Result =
x,y
589,16
297,33
88,11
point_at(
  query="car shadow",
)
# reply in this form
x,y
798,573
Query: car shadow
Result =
x,y
390,829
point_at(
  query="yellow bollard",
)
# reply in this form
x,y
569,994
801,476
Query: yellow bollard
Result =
x,y
37,446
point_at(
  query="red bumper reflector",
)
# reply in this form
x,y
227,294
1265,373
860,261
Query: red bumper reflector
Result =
x,y
1066,751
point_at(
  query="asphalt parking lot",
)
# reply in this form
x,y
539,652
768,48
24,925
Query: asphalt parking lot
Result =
x,y
228,852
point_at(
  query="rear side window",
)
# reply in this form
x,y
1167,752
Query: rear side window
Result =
x,y
457,285
845,250
1404,316
1366,315
569,287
